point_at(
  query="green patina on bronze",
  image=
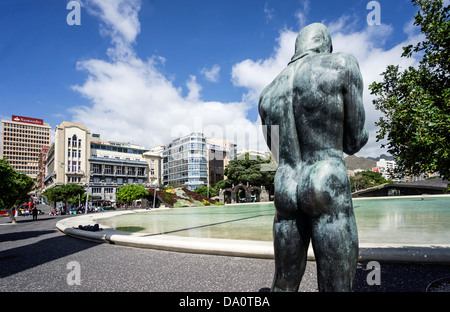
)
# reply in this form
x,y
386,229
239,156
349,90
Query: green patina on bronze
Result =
x,y
316,102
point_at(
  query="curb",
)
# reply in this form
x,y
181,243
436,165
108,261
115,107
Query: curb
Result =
x,y
240,248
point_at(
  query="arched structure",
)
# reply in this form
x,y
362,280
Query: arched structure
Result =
x,y
242,193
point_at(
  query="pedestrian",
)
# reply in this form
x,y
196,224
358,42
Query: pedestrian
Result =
x,y
34,212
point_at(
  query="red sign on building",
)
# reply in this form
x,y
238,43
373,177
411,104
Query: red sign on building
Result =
x,y
34,121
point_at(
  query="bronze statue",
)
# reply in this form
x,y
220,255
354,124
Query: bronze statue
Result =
x,y
317,103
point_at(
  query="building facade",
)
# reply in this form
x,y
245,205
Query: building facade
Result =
x,y
185,162
386,168
113,164
67,159
220,153
22,141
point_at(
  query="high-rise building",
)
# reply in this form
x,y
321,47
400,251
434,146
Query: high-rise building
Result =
x,y
22,141
185,162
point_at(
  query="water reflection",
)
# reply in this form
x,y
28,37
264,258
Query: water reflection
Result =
x,y
397,221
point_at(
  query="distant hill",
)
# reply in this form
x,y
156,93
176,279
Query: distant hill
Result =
x,y
353,162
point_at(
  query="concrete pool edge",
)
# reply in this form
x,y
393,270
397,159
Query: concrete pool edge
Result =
x,y
242,248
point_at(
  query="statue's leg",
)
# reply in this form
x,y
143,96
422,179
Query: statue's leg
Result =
x,y
291,241
291,232
335,243
334,232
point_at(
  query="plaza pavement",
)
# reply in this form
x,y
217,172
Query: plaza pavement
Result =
x,y
36,256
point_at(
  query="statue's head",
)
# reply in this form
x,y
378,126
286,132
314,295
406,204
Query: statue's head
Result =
x,y
313,38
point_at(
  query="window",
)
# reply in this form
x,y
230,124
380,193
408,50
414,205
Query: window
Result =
x,y
108,169
97,169
68,152
109,190
152,172
96,190
141,171
119,181
74,166
68,165
96,180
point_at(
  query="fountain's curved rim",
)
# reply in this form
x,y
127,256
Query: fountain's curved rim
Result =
x,y
411,253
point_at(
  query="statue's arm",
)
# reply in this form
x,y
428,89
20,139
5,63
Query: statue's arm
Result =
x,y
355,134
262,108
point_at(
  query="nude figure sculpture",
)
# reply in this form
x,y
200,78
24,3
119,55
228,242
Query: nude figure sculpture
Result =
x,y
316,102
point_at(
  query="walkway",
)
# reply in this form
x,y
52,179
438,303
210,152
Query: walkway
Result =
x,y
34,256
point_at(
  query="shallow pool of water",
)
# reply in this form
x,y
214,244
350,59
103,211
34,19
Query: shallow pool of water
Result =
x,y
395,221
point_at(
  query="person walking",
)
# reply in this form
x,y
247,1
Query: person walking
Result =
x,y
34,212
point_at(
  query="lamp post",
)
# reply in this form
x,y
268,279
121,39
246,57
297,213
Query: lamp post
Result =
x,y
87,196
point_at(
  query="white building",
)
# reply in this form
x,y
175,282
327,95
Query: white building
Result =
x,y
386,168
185,162
67,159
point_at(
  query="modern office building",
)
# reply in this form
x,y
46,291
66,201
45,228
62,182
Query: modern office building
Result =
x,y
67,159
22,141
185,162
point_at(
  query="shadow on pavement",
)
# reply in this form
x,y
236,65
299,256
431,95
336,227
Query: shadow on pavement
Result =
x,y
18,259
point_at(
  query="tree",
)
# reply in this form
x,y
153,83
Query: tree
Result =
x,y
206,190
53,195
128,193
366,179
63,193
250,171
416,101
14,187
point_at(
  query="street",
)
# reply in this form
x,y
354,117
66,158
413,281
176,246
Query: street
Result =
x,y
35,256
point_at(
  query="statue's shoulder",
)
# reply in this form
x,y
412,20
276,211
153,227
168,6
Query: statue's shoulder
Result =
x,y
283,79
346,60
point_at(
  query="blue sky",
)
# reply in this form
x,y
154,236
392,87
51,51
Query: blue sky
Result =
x,y
146,71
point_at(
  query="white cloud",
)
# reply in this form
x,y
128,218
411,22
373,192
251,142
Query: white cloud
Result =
x,y
268,11
211,74
131,100
366,45
256,75
302,14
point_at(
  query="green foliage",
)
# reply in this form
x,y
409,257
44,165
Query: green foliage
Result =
x,y
366,179
248,170
203,190
223,185
64,193
14,186
416,101
126,194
